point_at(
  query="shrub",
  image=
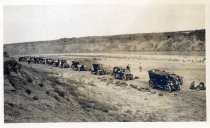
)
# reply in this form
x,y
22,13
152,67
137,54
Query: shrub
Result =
x,y
6,54
11,65
29,79
67,99
117,83
41,84
60,92
134,86
160,94
54,80
124,83
47,92
57,98
28,91
35,98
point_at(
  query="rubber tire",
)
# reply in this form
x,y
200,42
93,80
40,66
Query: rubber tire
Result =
x,y
167,88
98,72
151,85
178,87
116,76
124,78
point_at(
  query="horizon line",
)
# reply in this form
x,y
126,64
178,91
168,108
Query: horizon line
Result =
x,y
103,36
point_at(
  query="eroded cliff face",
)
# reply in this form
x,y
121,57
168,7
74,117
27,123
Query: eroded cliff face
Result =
x,y
183,41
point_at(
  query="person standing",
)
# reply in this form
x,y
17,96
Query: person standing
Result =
x,y
140,68
128,67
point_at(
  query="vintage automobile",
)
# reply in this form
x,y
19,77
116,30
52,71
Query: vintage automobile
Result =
x,y
98,69
198,87
55,63
122,74
77,66
63,64
21,59
164,80
49,61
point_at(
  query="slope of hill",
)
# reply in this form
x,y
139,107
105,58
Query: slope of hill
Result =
x,y
32,95
180,41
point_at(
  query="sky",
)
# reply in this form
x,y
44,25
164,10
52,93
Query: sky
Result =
x,y
48,22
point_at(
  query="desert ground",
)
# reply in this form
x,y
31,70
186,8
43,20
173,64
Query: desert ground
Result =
x,y
65,95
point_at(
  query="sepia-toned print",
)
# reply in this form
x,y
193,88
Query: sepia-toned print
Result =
x,y
104,63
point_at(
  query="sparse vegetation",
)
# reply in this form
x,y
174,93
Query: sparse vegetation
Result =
x,y
143,42
134,86
119,83
57,98
91,83
47,92
6,54
41,84
28,91
11,65
29,79
35,98
59,91
160,94
85,97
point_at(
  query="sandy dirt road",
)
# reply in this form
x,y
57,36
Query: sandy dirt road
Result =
x,y
134,99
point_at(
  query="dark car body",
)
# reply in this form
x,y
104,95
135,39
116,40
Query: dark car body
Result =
x,y
164,80
77,66
98,69
55,63
123,74
63,64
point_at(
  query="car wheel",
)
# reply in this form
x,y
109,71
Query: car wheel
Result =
x,y
124,77
201,85
116,76
151,85
98,72
167,88
178,87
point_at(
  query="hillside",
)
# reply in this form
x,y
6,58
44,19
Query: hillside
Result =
x,y
182,41
32,95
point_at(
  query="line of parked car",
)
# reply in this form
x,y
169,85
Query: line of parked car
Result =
x,y
43,60
98,69
157,79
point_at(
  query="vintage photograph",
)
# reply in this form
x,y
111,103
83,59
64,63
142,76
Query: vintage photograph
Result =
x,y
104,63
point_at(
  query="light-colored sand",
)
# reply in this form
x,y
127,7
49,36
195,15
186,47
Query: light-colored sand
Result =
x,y
132,100
186,105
